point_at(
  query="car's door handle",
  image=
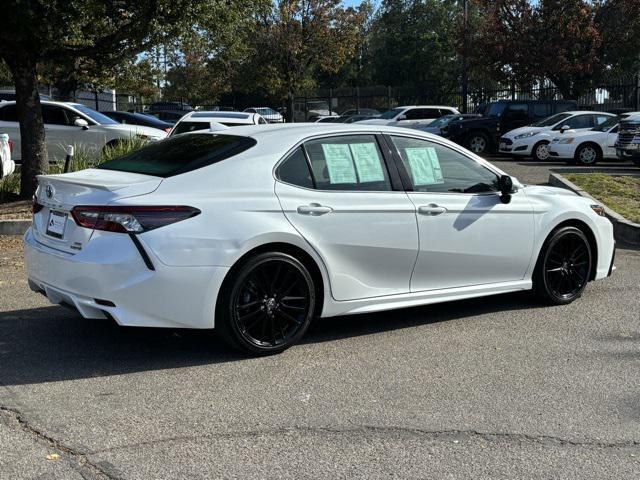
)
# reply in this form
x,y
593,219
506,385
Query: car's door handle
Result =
x,y
431,209
314,209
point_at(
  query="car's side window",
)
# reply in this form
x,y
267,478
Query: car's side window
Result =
x,y
517,111
436,168
600,119
351,162
422,113
9,113
295,170
580,121
53,115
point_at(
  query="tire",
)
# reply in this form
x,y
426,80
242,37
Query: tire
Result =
x,y
266,305
587,154
477,142
540,151
564,266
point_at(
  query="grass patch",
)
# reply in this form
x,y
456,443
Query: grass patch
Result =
x,y
621,194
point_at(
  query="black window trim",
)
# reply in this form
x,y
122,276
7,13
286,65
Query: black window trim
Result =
x,y
406,178
387,157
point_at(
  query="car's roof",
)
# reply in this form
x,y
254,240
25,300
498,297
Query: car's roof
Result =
x,y
582,112
219,116
298,131
427,106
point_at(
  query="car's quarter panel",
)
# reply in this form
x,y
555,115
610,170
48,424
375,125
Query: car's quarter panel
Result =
x,y
477,240
368,241
554,206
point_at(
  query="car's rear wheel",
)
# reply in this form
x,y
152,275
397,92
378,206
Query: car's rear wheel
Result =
x,y
477,142
564,266
540,151
587,154
267,305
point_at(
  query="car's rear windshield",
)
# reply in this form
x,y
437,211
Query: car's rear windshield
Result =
x,y
180,154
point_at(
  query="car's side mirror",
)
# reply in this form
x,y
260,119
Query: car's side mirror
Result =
x,y
81,122
505,186
564,128
401,117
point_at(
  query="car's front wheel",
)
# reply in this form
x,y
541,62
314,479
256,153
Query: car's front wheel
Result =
x,y
540,151
563,267
477,142
267,304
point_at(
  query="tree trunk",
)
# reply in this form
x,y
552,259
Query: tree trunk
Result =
x,y
32,140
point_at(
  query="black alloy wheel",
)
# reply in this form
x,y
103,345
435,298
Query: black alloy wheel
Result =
x,y
269,306
564,266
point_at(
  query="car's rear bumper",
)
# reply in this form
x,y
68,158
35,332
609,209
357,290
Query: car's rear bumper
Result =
x,y
113,279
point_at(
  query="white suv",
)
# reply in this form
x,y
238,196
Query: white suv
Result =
x,y
409,116
590,146
73,124
199,120
533,141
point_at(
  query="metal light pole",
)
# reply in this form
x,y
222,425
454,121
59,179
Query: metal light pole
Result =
x,y
465,55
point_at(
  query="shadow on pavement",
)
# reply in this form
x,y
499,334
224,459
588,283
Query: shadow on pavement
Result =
x,y
54,343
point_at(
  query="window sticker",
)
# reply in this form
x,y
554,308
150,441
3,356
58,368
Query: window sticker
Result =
x,y
339,163
424,165
367,160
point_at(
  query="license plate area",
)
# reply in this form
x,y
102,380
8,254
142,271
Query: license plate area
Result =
x,y
56,224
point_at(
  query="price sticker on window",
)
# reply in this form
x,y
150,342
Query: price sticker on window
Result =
x,y
424,165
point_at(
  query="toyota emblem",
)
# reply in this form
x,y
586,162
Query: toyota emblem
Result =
x,y
49,191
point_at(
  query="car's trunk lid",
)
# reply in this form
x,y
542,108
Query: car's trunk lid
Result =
x,y
53,224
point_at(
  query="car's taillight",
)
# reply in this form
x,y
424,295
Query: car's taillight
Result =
x,y
133,219
10,145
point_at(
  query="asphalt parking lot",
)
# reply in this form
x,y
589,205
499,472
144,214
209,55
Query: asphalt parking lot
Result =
x,y
499,387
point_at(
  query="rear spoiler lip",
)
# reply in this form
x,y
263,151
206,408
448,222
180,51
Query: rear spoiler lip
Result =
x,y
87,183
65,178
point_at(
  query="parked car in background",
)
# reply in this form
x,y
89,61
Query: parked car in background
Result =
x,y
588,147
311,110
326,119
628,142
7,165
533,141
268,113
257,231
74,124
411,115
169,106
440,126
368,112
198,120
10,96
481,135
133,118
167,116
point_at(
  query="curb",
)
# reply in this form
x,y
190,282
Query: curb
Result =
x,y
14,227
624,231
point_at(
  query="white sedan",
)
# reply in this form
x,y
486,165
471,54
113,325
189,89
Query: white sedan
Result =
x,y
73,124
588,147
257,230
533,141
